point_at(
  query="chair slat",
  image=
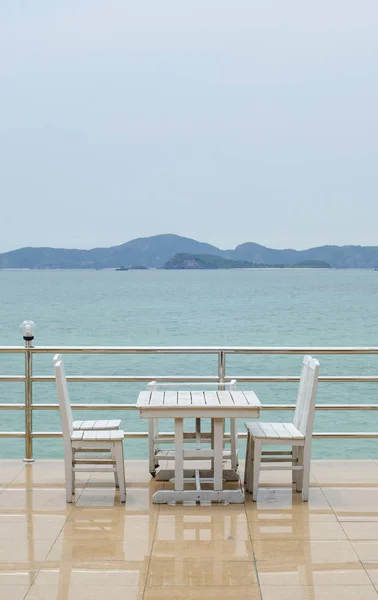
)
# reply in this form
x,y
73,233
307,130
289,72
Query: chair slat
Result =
x,y
293,430
101,424
269,430
281,430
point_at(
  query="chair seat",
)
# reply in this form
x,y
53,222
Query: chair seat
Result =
x,y
98,436
280,431
101,425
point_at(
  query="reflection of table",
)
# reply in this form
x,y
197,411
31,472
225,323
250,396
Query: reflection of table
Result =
x,y
216,406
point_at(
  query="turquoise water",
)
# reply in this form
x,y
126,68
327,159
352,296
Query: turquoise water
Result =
x,y
235,307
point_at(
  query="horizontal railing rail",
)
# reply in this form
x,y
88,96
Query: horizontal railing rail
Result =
x,y
220,352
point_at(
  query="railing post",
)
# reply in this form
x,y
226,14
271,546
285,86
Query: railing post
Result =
x,y
221,368
28,403
28,330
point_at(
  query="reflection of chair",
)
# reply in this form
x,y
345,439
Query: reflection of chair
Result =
x,y
102,425
155,439
298,435
108,442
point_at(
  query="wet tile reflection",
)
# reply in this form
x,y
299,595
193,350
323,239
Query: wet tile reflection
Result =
x,y
276,548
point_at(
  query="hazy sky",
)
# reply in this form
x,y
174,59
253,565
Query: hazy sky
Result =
x,y
223,120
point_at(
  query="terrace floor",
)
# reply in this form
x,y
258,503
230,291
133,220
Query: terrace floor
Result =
x,y
276,549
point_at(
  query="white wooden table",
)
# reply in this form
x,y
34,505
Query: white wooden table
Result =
x,y
216,406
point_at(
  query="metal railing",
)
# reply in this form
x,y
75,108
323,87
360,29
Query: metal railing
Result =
x,y
220,352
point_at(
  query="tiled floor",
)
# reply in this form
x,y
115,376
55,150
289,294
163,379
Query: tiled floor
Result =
x,y
276,549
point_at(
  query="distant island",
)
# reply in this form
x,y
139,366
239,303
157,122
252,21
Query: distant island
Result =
x,y
132,268
155,251
209,261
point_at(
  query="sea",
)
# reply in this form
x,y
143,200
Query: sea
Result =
x,y
257,307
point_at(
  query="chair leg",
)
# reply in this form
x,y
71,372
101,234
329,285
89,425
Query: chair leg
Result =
x,y
299,474
256,468
247,459
198,433
120,466
69,474
115,472
306,474
295,463
151,446
234,444
249,465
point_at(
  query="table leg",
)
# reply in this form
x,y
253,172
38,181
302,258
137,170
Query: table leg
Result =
x,y
218,454
179,455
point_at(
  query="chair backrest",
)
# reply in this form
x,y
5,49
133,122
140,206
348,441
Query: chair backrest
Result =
x,y
306,399
64,399
178,385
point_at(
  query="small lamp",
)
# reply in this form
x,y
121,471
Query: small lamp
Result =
x,y
27,329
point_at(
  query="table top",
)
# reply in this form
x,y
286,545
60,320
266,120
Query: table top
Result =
x,y
211,402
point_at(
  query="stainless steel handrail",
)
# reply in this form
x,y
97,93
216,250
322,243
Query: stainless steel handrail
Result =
x,y
220,352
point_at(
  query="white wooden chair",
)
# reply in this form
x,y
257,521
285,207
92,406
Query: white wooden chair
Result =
x,y
298,435
100,425
82,441
155,439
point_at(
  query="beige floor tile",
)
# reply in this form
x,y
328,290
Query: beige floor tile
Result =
x,y
26,526
94,496
303,562
215,511
353,502
372,570
126,528
13,592
361,530
46,499
345,472
280,478
112,514
138,500
352,592
48,472
11,574
180,529
137,471
111,573
24,551
251,592
366,550
99,550
217,550
197,572
9,469
319,552
282,529
299,574
283,502
47,592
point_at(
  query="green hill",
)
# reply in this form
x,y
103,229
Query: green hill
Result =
x,y
205,261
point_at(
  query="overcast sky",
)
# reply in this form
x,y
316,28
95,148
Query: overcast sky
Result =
x,y
226,121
